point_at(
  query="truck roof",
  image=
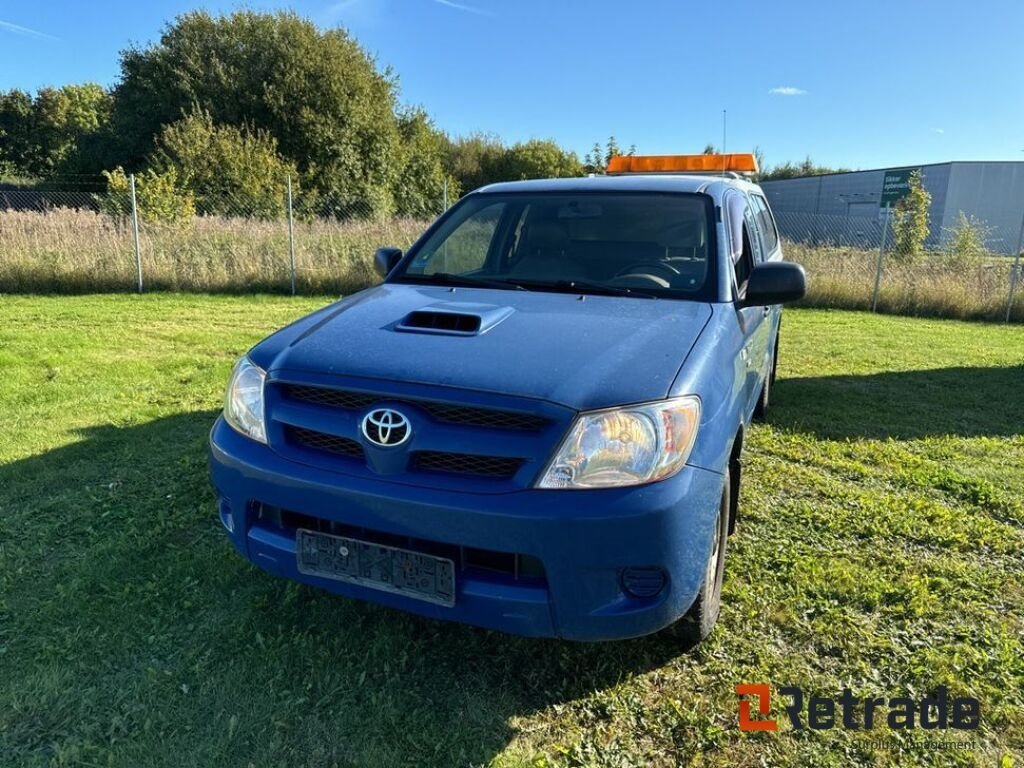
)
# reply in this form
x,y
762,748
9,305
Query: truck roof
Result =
x,y
713,185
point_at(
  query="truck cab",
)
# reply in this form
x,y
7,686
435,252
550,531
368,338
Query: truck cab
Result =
x,y
535,422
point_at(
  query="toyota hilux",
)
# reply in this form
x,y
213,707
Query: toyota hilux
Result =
x,y
535,423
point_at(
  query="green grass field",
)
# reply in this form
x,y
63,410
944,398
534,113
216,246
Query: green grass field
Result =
x,y
880,548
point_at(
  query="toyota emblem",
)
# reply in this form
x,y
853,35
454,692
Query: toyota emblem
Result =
x,y
386,428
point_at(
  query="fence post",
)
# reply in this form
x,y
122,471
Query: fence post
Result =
x,y
135,231
1015,271
291,234
881,254
444,198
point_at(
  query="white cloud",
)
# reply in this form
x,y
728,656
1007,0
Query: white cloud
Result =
x,y
461,7
788,90
17,29
938,130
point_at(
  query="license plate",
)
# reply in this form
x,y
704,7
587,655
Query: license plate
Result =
x,y
389,569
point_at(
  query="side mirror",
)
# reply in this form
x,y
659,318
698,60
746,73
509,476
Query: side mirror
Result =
x,y
775,282
385,260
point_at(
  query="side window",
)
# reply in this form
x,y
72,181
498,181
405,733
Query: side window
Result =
x,y
467,248
767,224
742,238
753,228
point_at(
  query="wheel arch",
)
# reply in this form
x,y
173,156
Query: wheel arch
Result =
x,y
735,472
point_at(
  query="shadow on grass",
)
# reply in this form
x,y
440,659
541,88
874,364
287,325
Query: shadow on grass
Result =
x,y
113,541
965,402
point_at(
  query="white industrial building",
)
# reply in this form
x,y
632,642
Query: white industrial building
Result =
x,y
848,207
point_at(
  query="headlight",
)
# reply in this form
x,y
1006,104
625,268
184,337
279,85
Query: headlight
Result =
x,y
625,446
243,402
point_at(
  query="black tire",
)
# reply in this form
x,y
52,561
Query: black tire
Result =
x,y
775,351
761,409
698,622
763,400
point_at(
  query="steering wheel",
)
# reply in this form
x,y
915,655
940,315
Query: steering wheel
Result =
x,y
644,267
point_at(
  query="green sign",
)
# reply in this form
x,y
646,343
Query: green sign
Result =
x,y
895,186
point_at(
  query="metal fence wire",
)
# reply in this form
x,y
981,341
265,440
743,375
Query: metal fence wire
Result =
x,y
861,262
83,233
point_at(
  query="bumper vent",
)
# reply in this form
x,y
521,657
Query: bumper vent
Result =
x,y
466,464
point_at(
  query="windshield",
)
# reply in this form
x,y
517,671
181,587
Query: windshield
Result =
x,y
633,243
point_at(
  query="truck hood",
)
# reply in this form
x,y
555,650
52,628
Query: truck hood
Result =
x,y
582,352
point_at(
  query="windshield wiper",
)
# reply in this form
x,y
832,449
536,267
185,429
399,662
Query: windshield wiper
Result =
x,y
447,278
582,286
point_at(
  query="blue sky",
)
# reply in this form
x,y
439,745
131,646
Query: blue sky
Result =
x,y
859,84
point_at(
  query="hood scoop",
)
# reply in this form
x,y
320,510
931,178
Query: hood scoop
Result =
x,y
453,318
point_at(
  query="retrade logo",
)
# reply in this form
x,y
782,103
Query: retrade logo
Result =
x,y
937,711
764,706
386,428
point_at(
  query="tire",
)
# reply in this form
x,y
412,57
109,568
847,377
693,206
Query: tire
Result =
x,y
763,400
761,409
698,622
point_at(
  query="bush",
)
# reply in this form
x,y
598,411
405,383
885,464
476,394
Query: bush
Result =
x,y
966,242
229,170
910,220
159,195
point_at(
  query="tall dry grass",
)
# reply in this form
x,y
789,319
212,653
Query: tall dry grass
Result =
x,y
935,284
79,251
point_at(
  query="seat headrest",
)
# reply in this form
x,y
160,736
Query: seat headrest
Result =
x,y
547,236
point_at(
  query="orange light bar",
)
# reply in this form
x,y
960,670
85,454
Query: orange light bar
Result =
x,y
741,163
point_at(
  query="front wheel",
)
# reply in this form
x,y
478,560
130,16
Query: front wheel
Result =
x,y
761,409
698,622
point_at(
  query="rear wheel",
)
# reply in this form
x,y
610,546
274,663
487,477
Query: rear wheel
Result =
x,y
698,622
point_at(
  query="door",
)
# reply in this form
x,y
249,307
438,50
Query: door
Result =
x,y
754,323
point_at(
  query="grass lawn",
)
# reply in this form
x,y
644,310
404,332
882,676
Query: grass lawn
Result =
x,y
881,548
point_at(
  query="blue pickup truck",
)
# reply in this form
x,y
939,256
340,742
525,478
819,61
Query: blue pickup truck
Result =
x,y
535,423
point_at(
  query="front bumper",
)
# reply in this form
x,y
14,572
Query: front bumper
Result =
x,y
583,538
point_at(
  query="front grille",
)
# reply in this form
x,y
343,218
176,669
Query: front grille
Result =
x,y
444,412
492,467
466,464
320,441
523,568
336,398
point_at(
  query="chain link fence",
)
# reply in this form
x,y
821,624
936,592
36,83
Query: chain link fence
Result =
x,y
83,234
856,262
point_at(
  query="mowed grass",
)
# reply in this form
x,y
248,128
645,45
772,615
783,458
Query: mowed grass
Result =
x,y
880,549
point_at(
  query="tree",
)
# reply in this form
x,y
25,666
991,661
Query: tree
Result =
x,y
316,91
789,170
57,130
709,149
229,170
910,220
597,159
17,149
594,161
473,161
538,159
421,184
762,166
611,149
